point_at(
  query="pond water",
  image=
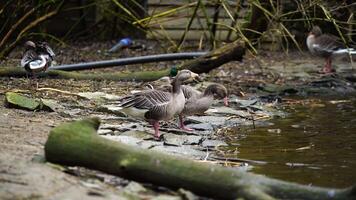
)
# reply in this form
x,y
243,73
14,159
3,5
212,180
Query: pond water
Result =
x,y
315,144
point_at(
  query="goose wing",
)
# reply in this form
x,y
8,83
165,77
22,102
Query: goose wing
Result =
x,y
189,92
44,48
327,44
28,56
146,99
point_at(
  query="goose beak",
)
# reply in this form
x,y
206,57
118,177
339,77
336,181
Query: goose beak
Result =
x,y
194,76
226,101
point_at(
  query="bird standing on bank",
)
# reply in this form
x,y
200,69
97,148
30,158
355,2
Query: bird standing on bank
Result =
x,y
37,57
156,105
326,46
198,102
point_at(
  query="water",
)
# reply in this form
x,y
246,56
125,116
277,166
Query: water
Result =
x,y
315,144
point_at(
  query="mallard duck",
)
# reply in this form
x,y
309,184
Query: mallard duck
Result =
x,y
156,105
37,57
197,102
326,46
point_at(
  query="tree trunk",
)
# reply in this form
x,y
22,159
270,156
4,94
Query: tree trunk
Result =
x,y
77,143
230,52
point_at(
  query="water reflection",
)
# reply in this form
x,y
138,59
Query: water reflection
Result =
x,y
315,144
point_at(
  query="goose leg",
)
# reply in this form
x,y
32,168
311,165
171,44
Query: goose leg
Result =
x,y
156,128
36,80
181,124
327,68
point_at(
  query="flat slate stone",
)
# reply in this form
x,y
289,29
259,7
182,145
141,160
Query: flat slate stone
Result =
x,y
105,132
124,139
98,95
185,151
213,143
193,140
215,121
227,111
173,139
201,127
123,127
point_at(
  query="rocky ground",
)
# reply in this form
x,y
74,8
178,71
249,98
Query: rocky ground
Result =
x,y
266,82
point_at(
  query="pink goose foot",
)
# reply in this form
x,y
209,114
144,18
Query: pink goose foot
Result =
x,y
181,124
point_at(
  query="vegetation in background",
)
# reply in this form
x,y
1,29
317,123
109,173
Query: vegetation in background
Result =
x,y
254,21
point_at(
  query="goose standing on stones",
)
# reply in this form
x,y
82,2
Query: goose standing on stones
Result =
x,y
197,102
157,105
37,57
326,46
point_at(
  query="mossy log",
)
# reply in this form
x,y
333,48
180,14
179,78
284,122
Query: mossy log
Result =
x,y
77,144
214,59
111,76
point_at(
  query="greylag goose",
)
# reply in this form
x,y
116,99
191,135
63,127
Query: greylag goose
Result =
x,y
164,84
37,57
197,102
326,46
158,105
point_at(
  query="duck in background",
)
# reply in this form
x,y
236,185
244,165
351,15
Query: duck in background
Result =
x,y
326,46
37,58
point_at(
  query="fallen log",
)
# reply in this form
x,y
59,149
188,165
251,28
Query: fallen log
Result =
x,y
111,76
230,52
77,144
205,63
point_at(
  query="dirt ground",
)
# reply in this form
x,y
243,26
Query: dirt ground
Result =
x,y
25,175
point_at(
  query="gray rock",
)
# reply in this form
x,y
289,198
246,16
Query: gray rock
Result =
x,y
227,111
98,95
124,139
185,151
245,103
215,121
138,134
174,140
105,131
193,140
123,127
213,143
201,127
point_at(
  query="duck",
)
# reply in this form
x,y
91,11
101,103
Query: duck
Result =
x,y
37,57
156,105
198,102
326,46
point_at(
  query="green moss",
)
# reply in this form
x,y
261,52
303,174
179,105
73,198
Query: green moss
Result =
x,y
15,100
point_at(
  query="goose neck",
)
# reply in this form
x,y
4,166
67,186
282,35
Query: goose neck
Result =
x,y
176,86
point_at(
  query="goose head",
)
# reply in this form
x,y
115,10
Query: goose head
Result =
x,y
315,31
218,91
182,76
30,45
186,75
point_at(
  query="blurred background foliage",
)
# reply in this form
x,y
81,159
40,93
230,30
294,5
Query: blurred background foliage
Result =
x,y
271,24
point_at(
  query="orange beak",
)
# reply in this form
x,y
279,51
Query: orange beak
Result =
x,y
226,102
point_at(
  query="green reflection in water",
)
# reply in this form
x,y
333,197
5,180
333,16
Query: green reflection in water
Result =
x,y
316,145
